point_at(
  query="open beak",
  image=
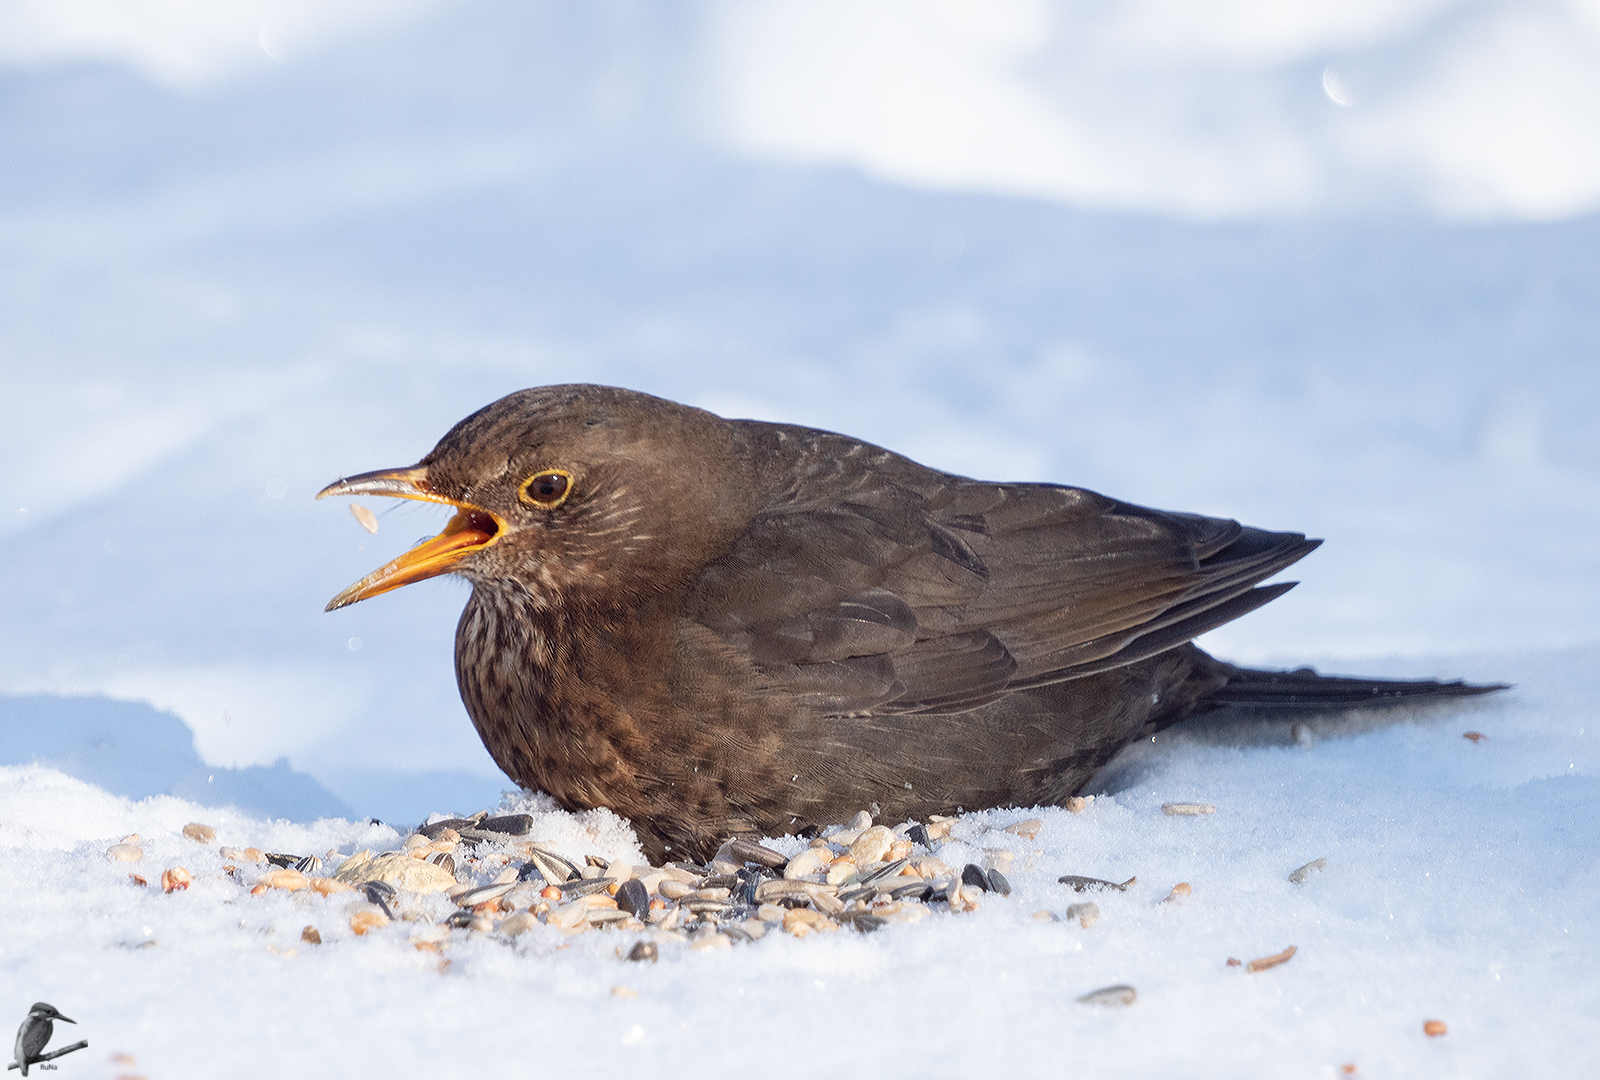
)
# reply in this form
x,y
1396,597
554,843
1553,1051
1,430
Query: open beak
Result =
x,y
472,529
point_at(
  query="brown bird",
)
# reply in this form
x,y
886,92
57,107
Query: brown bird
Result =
x,y
722,627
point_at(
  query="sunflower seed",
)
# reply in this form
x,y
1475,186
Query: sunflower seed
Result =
x,y
751,852
308,865
998,883
1080,884
483,894
634,898
972,874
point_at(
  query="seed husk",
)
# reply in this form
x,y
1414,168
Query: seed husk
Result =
x,y
1315,865
363,921
1187,809
1266,962
1121,994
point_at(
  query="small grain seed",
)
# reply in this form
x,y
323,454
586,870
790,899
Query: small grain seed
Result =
x,y
1180,892
842,870
1045,915
872,845
175,879
568,915
1085,914
327,886
369,520
623,992
1028,829
288,879
1434,1028
519,923
255,855
710,942
363,921
199,833
1187,809
808,865
125,852
1079,803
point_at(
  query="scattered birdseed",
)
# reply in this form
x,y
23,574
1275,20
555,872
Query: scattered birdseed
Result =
x,y
1180,892
1434,1028
199,833
310,936
1085,914
175,879
1476,736
369,520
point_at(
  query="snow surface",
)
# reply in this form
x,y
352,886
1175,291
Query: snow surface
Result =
x,y
216,299
1463,884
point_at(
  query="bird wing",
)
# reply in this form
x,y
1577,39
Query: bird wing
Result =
x,y
875,584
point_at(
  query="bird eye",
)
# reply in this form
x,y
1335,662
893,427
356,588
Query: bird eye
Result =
x,y
547,489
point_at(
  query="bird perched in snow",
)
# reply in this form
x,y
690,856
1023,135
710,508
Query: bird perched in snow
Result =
x,y
719,627
35,1033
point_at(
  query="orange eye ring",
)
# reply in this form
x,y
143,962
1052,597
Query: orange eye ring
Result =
x,y
546,489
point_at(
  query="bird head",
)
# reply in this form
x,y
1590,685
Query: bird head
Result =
x,y
567,490
47,1011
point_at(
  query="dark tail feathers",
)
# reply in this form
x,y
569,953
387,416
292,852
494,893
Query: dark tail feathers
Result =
x,y
1303,690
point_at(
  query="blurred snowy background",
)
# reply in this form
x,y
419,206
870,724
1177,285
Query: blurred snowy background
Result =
x,y
1332,267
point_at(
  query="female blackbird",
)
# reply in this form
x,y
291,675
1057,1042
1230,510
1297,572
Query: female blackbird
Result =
x,y
721,627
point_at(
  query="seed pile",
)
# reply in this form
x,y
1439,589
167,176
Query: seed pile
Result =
x,y
493,875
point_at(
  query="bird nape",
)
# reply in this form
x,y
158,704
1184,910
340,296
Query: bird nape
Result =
x,y
721,627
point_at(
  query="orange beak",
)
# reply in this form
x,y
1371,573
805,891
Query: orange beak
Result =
x,y
472,529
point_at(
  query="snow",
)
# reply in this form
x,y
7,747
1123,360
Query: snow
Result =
x,y
1462,885
218,292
